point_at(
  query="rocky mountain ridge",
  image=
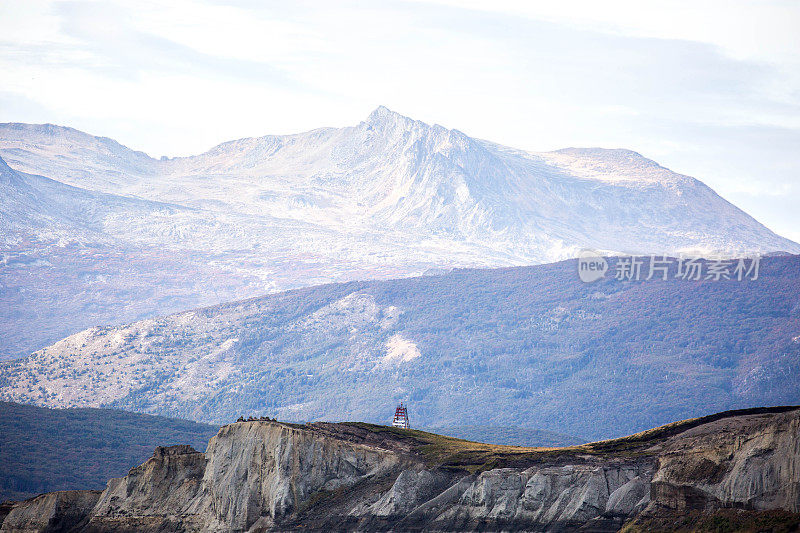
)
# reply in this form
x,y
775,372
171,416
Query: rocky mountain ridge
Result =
x,y
119,236
391,173
273,476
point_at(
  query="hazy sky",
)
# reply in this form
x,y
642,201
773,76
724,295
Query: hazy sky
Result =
x,y
709,89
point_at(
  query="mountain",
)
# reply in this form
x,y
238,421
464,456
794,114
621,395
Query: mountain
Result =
x,y
61,270
43,450
120,236
521,347
734,471
392,174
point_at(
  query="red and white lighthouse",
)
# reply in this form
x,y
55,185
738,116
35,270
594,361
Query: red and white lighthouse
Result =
x,y
401,417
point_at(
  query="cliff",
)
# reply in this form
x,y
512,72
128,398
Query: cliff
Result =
x,y
742,467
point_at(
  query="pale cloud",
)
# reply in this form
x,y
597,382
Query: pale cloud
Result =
x,y
743,29
710,89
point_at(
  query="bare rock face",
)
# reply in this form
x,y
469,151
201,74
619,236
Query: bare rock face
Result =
x,y
411,488
714,466
252,474
152,494
55,511
259,472
567,495
271,476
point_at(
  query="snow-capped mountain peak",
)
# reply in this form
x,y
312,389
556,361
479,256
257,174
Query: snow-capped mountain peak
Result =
x,y
383,114
393,173
387,197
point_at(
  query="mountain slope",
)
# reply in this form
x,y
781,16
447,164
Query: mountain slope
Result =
x,y
43,450
120,236
734,471
24,214
526,347
42,209
72,157
67,260
391,173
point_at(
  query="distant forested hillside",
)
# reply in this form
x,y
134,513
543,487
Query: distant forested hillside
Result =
x,y
514,347
43,450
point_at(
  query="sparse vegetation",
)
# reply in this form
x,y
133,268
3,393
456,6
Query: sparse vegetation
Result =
x,y
476,456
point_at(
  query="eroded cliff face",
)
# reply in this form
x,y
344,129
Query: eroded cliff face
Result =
x,y
252,474
270,476
561,497
750,462
55,511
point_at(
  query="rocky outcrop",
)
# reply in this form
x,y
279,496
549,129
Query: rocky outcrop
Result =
x,y
272,476
54,511
755,466
564,496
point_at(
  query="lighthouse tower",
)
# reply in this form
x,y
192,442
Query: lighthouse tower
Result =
x,y
401,417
